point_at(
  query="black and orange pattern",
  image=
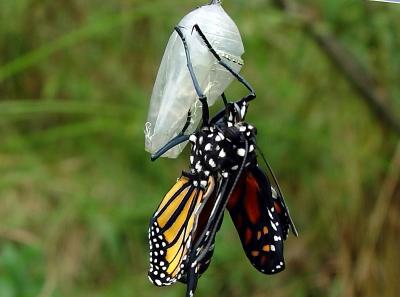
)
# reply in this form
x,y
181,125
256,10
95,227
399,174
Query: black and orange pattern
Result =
x,y
223,174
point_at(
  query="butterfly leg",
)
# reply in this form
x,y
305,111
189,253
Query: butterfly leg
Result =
x,y
175,141
172,143
188,118
224,99
200,94
240,78
221,113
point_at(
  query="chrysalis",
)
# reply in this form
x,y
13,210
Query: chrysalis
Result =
x,y
173,93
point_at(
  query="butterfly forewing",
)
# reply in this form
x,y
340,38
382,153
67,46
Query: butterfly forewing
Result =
x,y
253,212
171,229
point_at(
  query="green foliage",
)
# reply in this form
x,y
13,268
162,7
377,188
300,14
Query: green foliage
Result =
x,y
77,189
18,279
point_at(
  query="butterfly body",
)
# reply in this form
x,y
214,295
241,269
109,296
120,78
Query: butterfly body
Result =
x,y
219,149
217,153
223,174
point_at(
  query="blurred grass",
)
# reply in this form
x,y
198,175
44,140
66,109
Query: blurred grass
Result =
x,y
77,189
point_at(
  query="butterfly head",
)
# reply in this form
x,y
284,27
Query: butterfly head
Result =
x,y
236,112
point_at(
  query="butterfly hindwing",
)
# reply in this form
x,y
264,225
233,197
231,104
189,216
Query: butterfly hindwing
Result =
x,y
283,213
279,201
260,226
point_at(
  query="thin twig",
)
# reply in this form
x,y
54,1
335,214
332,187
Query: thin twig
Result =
x,y
357,76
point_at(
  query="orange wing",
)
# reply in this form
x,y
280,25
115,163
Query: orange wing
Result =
x,y
256,215
172,228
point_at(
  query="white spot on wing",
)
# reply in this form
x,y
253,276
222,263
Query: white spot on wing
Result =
x,y
273,226
270,215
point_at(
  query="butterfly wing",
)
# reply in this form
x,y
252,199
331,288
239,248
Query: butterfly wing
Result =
x,y
258,218
172,228
283,213
203,238
281,207
211,218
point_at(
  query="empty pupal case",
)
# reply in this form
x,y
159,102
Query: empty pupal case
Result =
x,y
173,92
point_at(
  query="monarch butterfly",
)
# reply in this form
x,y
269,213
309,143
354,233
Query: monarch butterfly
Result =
x,y
223,173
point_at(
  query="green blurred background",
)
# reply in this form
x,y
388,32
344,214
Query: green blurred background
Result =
x,y
77,188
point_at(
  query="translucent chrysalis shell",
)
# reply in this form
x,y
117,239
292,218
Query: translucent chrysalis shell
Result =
x,y
173,93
